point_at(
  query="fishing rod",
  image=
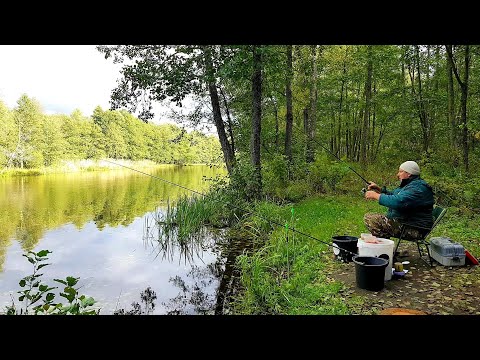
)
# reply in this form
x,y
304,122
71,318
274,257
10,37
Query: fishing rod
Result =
x,y
234,206
336,157
364,190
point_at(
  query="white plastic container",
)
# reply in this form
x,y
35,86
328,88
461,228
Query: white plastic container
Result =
x,y
384,246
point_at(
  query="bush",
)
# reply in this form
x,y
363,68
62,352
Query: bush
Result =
x,y
38,298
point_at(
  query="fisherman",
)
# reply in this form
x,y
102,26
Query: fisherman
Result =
x,y
411,203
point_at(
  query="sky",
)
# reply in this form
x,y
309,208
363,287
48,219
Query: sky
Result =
x,y
60,77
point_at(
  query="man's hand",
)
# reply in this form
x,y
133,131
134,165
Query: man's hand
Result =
x,y
372,195
374,187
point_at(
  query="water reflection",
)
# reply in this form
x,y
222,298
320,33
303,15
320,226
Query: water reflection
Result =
x,y
94,222
166,243
205,289
30,206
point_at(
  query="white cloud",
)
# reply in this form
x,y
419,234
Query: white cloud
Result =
x,y
61,77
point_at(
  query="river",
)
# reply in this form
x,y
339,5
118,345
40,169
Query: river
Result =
x,y
100,228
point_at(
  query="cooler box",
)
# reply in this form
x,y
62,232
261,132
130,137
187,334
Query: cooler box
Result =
x,y
447,252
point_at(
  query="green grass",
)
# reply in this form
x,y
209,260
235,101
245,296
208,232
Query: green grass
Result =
x,y
290,274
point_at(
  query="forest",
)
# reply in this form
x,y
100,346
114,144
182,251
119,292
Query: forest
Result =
x,y
277,107
29,138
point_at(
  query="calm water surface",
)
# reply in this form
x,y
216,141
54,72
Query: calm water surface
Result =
x,y
99,227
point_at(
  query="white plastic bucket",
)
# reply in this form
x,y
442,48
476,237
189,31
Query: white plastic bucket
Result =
x,y
384,246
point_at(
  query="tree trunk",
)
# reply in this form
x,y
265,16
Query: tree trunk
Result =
x,y
366,114
276,126
312,119
228,154
340,108
464,97
422,112
463,101
230,125
289,115
451,100
256,119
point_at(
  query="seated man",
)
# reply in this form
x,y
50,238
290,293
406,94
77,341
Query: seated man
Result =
x,y
411,203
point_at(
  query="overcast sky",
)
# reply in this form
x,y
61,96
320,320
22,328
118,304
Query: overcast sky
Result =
x,y
63,78
60,77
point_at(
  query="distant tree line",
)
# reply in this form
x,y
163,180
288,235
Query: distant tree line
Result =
x,y
30,139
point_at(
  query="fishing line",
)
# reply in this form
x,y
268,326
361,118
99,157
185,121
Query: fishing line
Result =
x,y
234,206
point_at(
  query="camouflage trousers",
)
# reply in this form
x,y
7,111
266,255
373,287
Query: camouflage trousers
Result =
x,y
381,226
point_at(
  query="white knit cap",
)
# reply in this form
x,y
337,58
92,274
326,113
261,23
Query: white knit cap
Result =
x,y
410,167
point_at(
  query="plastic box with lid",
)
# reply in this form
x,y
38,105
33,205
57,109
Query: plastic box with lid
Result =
x,y
447,252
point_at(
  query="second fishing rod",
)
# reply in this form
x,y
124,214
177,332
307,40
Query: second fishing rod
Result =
x,y
342,161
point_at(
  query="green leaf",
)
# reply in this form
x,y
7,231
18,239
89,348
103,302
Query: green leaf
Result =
x,y
43,253
42,265
61,281
88,301
72,281
20,298
36,284
22,283
69,294
90,312
50,296
43,288
31,260
35,298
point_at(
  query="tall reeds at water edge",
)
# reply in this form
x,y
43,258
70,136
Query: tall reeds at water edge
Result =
x,y
180,225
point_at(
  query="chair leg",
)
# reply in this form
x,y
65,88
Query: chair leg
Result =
x,y
429,256
429,262
402,232
396,248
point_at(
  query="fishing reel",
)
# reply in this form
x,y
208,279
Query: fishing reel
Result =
x,y
364,191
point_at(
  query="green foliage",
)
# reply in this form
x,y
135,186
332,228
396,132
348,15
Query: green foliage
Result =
x,y
30,139
184,220
38,298
242,180
289,275
325,174
295,191
274,174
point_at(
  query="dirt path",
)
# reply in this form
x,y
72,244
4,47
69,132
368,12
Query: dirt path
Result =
x,y
437,290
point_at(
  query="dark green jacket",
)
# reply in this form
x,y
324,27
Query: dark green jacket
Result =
x,y
412,202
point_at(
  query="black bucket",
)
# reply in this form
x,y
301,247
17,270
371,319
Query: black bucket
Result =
x,y
342,243
370,272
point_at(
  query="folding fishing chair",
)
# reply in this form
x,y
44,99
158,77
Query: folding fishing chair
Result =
x,y
438,213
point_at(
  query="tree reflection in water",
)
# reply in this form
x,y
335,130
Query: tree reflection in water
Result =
x,y
147,298
210,286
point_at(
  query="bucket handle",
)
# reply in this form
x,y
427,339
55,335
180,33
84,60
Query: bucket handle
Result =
x,y
384,256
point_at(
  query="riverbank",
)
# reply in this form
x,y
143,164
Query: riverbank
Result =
x,y
295,274
72,166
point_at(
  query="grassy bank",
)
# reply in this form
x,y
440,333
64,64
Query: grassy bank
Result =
x,y
69,166
290,273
